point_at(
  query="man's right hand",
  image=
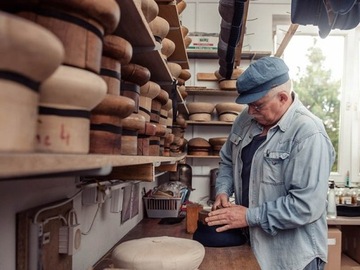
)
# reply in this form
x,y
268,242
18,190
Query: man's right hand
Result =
x,y
221,201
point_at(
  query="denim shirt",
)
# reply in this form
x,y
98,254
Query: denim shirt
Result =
x,y
287,187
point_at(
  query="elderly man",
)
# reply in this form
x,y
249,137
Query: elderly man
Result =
x,y
277,160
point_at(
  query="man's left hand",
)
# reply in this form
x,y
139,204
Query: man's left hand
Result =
x,y
230,217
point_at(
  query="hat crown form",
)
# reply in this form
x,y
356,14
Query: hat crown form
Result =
x,y
260,77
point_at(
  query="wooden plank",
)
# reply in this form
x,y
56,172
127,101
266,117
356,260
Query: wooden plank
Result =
x,y
50,257
144,172
202,76
289,34
37,164
167,168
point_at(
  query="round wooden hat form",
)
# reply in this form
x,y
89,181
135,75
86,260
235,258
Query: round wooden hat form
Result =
x,y
175,69
217,143
155,140
27,58
228,84
66,99
143,141
187,41
228,111
159,253
133,77
167,48
180,6
129,137
159,28
184,30
182,91
156,105
185,74
150,9
200,111
147,93
80,25
116,52
106,126
199,147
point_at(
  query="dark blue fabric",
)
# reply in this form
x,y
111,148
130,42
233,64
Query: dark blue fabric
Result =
x,y
209,237
246,157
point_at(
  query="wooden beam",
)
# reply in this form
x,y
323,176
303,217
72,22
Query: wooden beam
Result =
x,y
289,34
201,76
142,172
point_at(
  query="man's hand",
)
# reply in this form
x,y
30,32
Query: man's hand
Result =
x,y
221,201
230,217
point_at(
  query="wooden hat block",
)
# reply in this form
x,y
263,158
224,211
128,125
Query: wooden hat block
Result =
x,y
28,57
200,111
159,28
160,100
148,92
216,144
66,99
199,147
133,77
228,111
180,6
175,69
228,84
184,76
106,128
81,27
169,137
163,121
167,48
149,8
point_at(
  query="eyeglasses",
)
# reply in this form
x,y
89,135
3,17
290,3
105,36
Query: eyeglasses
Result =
x,y
258,108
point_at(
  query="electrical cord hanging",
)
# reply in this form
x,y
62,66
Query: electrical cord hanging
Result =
x,y
56,205
92,223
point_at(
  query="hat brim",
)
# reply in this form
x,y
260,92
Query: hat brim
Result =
x,y
245,98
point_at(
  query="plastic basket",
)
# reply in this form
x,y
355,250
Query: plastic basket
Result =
x,y
162,207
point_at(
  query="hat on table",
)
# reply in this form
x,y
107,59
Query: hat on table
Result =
x,y
262,75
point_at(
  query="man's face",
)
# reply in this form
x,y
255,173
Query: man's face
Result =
x,y
267,110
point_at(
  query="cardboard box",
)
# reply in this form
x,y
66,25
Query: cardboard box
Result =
x,y
203,43
334,249
351,242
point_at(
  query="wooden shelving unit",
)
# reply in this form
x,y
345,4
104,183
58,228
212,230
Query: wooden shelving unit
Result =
x,y
19,166
193,90
213,55
204,157
169,12
209,123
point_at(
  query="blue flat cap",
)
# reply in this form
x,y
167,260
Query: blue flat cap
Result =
x,y
262,75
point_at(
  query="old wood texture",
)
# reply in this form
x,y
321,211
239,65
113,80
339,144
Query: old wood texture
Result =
x,y
228,258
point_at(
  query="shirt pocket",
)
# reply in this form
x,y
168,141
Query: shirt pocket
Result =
x,y
274,162
235,140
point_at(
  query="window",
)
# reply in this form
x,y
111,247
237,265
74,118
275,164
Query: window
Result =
x,y
325,73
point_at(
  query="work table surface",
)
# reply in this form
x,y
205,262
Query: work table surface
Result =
x,y
239,257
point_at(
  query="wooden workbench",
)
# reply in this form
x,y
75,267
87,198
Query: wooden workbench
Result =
x,y
240,257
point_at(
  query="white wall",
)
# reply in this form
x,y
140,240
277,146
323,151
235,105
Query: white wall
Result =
x,y
20,195
258,37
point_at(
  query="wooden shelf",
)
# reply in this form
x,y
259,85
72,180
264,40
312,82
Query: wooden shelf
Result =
x,y
205,157
134,28
19,166
341,220
209,123
209,92
213,55
169,12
